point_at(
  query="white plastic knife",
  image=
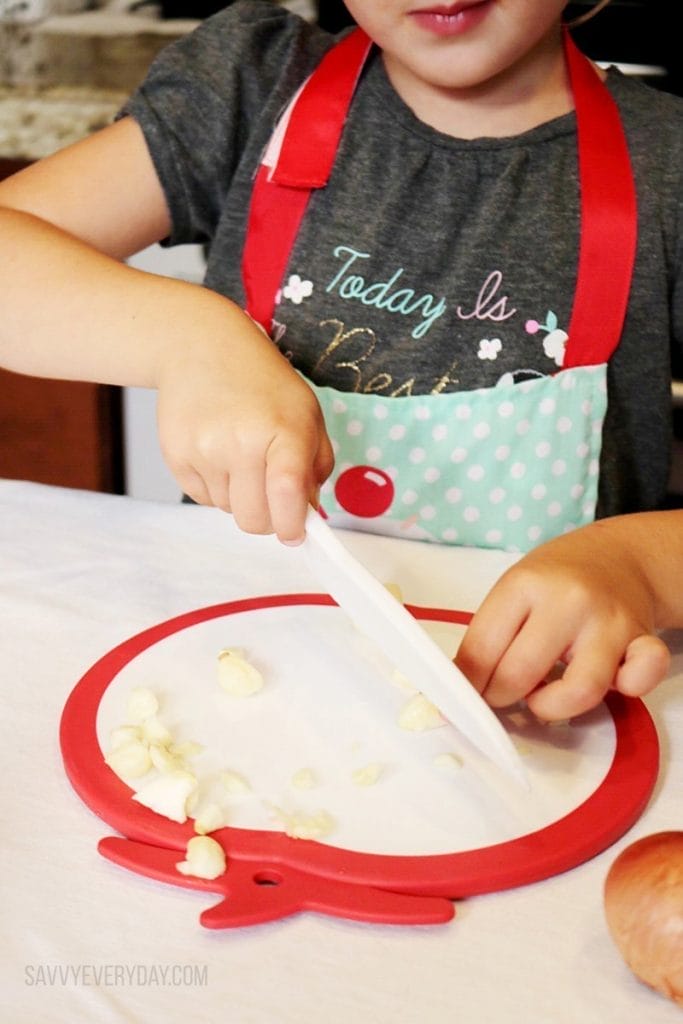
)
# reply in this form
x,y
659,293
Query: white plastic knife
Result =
x,y
382,618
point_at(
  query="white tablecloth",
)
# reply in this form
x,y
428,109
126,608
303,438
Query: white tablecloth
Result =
x,y
83,940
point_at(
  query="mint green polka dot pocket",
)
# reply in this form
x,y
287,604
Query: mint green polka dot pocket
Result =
x,y
504,467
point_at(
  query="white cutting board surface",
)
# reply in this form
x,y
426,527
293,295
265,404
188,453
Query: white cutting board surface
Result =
x,y
331,704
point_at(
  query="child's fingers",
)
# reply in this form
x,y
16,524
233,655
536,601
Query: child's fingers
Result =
x,y
489,634
645,665
531,656
247,497
324,461
589,675
192,484
289,486
217,485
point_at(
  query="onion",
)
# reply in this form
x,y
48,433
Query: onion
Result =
x,y
644,910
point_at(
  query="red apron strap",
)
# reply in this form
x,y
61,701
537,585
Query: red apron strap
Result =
x,y
280,195
608,228
609,218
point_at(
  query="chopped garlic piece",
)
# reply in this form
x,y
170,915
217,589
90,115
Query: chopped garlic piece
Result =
x,y
236,675
163,760
168,795
420,714
129,761
204,858
403,682
300,825
305,778
188,748
142,704
448,760
124,734
395,591
193,801
368,775
209,819
235,783
154,731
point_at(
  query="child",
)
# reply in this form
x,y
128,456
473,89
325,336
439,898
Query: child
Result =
x,y
478,325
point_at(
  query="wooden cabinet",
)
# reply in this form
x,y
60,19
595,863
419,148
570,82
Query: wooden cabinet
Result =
x,y
58,432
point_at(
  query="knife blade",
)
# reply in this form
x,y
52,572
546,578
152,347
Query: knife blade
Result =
x,y
377,614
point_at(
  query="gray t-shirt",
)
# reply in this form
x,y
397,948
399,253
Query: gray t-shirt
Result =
x,y
428,263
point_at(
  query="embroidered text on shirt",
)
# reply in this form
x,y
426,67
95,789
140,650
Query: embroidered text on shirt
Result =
x,y
384,294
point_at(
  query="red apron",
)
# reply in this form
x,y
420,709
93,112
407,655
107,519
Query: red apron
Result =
x,y
371,493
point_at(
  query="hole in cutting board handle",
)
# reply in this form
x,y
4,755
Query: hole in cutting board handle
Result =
x,y
268,878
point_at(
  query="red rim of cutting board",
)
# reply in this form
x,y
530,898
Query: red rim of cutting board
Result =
x,y
576,837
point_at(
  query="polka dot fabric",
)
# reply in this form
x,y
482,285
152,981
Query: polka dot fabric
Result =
x,y
505,467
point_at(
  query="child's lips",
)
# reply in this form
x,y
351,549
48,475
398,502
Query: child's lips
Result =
x,y
451,19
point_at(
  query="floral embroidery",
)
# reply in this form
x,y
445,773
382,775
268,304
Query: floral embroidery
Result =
x,y
296,289
489,348
555,340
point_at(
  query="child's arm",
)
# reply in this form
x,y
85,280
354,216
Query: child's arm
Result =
x,y
237,425
591,599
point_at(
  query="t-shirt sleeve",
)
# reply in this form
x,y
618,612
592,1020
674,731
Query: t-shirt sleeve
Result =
x,y
213,97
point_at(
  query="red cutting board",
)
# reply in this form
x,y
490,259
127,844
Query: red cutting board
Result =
x,y
270,875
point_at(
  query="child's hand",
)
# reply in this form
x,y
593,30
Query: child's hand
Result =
x,y
588,600
242,431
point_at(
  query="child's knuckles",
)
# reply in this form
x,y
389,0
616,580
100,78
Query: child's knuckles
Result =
x,y
567,697
189,480
475,662
211,446
510,682
287,483
519,673
221,500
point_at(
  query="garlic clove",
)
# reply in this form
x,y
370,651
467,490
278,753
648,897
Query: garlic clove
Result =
x,y
188,748
403,682
305,778
448,761
236,675
124,734
163,760
209,819
130,760
142,704
419,714
204,858
168,794
368,775
154,731
395,591
235,784
300,825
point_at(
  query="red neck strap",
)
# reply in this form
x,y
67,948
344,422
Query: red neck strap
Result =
x,y
280,196
608,233
609,218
